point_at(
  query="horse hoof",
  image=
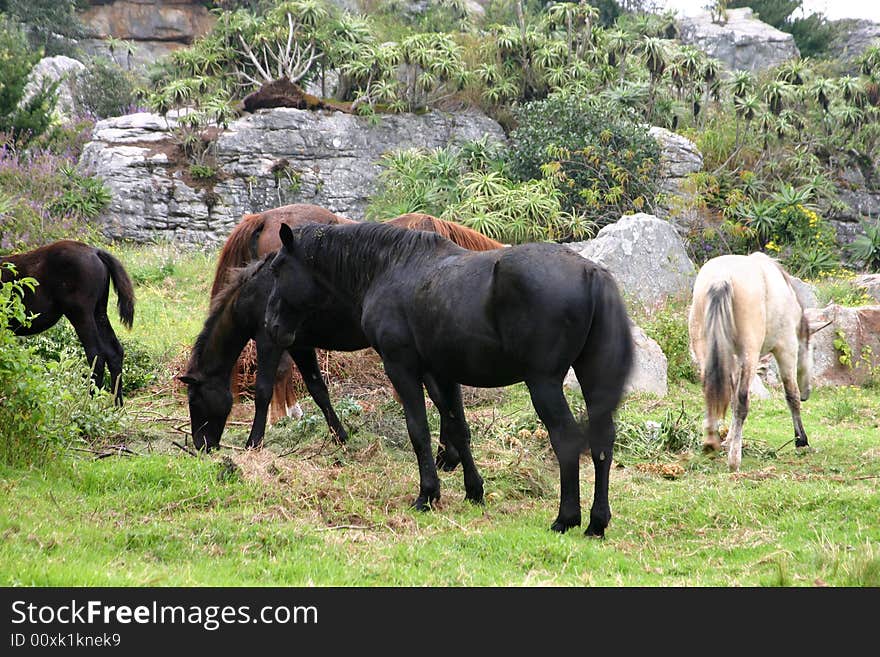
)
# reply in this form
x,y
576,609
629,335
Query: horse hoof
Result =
x,y
710,447
476,500
563,526
595,531
424,503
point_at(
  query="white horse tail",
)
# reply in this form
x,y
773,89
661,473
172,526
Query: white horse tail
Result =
x,y
719,332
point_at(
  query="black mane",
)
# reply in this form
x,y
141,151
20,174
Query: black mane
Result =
x,y
228,294
352,254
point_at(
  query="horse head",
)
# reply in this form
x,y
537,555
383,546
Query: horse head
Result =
x,y
296,293
209,404
805,354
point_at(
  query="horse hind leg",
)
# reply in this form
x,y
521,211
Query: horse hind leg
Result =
x,y
567,440
113,354
284,400
741,400
89,336
455,434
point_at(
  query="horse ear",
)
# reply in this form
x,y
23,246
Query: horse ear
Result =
x,y
188,380
286,236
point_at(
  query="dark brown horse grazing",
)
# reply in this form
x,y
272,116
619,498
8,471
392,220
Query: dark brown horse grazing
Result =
x,y
74,281
257,235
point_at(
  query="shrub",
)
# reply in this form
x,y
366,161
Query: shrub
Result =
x,y
104,89
603,164
866,247
44,198
668,328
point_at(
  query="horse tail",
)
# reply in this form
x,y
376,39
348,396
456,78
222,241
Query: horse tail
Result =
x,y
122,283
238,250
607,359
718,331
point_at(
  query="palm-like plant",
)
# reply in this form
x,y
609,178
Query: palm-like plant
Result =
x,y
774,93
866,247
822,90
742,84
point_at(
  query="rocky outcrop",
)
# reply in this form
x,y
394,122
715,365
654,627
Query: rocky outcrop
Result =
x,y
852,37
649,367
646,256
59,69
742,43
857,333
263,160
679,158
154,27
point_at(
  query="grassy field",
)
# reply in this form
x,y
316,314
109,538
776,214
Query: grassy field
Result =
x,y
304,511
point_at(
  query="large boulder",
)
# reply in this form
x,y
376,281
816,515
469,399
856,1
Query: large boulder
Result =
x,y
646,256
263,160
649,373
59,69
857,334
741,43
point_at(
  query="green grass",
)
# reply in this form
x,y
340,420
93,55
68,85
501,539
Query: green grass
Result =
x,y
326,516
306,512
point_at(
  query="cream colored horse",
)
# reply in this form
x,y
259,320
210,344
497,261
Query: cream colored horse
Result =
x,y
744,307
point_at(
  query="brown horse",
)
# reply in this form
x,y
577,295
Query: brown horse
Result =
x,y
257,235
74,281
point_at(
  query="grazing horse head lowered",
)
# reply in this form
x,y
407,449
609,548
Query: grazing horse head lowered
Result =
x,y
441,316
742,308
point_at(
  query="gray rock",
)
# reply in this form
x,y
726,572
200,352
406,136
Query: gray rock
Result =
x,y
649,373
742,43
871,283
679,158
806,293
51,69
647,258
860,327
852,37
329,158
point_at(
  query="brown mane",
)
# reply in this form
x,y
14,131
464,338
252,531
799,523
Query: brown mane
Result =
x,y
465,237
255,235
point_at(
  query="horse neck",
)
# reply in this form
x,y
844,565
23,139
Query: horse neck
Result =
x,y
350,263
222,341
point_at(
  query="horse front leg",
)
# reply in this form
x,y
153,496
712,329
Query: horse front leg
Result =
x,y
406,380
568,441
307,362
455,431
788,373
268,356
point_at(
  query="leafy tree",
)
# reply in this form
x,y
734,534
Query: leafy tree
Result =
x,y
31,119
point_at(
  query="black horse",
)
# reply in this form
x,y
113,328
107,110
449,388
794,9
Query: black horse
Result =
x,y
74,281
439,314
237,314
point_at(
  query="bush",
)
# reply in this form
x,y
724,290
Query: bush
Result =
x,y
104,89
42,406
668,328
59,344
44,198
603,164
